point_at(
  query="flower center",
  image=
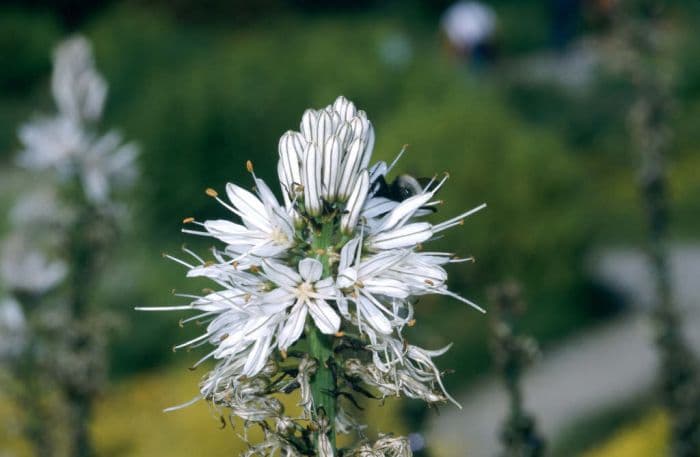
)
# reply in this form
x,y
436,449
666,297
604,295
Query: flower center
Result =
x,y
278,236
304,290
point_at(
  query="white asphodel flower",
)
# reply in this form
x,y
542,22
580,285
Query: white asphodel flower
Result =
x,y
266,229
68,142
304,293
341,259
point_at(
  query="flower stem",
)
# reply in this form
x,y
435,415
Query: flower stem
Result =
x,y
323,383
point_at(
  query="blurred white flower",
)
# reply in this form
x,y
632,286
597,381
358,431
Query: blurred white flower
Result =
x,y
53,142
12,329
68,142
39,209
79,90
25,268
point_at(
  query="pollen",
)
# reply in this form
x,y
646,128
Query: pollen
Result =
x,y
188,220
411,323
339,334
249,166
211,192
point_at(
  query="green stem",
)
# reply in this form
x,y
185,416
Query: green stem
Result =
x,y
323,383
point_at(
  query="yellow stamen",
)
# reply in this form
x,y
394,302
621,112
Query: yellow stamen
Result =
x,y
188,220
249,166
211,192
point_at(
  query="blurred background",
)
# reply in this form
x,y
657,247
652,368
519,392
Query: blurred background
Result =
x,y
517,99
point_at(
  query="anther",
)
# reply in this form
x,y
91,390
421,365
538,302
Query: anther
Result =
x,y
339,334
429,282
249,166
211,192
188,220
411,323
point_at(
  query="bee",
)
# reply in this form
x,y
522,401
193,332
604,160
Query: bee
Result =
x,y
401,188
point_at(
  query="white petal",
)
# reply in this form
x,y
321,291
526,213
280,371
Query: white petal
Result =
x,y
324,129
225,230
291,151
406,236
348,221
373,315
369,146
347,253
310,269
312,180
345,108
275,301
309,122
404,211
386,286
376,206
326,319
258,356
349,168
347,278
331,168
293,327
325,288
266,195
380,262
344,134
280,274
252,211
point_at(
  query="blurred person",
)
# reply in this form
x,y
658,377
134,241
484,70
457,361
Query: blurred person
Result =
x,y
469,29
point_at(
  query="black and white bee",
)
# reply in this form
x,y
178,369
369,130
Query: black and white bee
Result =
x,y
401,188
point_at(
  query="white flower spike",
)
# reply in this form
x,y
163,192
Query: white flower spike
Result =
x,y
338,265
